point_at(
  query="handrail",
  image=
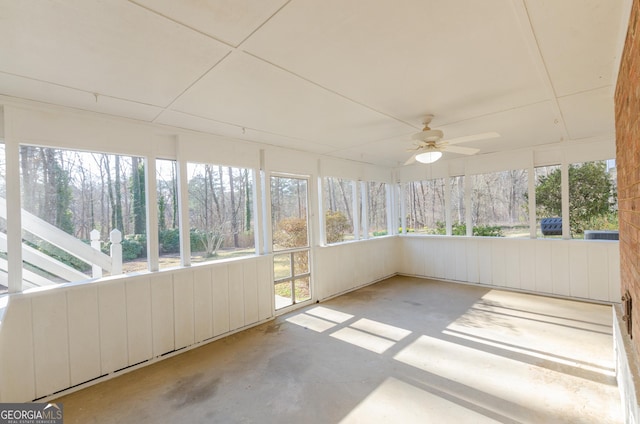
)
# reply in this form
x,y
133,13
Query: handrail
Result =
x,y
45,262
60,239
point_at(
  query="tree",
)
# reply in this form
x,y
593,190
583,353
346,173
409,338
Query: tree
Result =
x,y
138,191
591,194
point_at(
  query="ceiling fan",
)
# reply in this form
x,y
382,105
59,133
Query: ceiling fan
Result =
x,y
429,144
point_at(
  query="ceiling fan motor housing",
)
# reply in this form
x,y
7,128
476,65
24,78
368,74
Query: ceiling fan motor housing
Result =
x,y
429,135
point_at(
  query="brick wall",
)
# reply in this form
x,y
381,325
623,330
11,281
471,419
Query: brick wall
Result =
x,y
627,110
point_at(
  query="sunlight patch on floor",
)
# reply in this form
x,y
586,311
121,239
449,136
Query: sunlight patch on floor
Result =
x,y
395,401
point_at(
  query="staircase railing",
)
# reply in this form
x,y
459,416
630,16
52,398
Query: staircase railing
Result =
x,y
90,254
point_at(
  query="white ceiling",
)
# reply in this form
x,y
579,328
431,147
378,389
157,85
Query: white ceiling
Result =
x,y
346,78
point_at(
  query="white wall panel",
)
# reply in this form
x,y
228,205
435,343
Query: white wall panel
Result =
x,y
362,263
139,329
220,293
265,288
50,343
499,262
392,256
84,333
598,271
376,259
615,293
512,264
582,269
202,303
250,286
417,256
473,272
322,274
236,296
162,313
448,258
485,261
460,256
579,270
544,280
17,378
184,324
560,269
348,267
527,254
113,326
405,251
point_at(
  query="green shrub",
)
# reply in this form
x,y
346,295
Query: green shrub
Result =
x,y
380,233
460,229
197,240
131,248
488,231
337,225
170,240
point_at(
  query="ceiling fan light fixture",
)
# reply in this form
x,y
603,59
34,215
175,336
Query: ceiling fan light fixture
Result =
x,y
428,157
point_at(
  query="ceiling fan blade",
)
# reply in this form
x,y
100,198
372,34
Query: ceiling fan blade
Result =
x,y
475,137
411,160
461,150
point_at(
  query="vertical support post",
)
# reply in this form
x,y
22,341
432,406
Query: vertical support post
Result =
x,y
468,217
96,271
293,278
116,252
355,207
533,220
392,225
364,193
260,208
14,207
151,206
402,206
447,205
564,184
183,207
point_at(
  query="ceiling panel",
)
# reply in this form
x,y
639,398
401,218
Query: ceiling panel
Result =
x,y
251,93
407,58
230,21
50,93
107,47
183,120
589,114
578,40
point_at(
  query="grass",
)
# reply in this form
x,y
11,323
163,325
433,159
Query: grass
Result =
x,y
301,287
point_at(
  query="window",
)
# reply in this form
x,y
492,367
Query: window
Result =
x,y
458,212
168,223
377,208
499,204
337,200
220,212
548,200
425,206
593,205
71,196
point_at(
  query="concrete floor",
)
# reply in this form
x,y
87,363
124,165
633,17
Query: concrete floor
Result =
x,y
401,351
